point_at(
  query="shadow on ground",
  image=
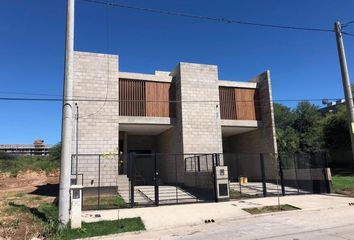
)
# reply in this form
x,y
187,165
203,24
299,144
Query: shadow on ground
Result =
x,y
49,190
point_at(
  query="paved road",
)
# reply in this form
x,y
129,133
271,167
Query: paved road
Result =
x,y
324,224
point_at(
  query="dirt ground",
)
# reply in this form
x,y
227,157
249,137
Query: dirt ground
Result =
x,y
19,196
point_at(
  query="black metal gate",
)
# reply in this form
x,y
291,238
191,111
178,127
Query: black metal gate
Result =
x,y
157,179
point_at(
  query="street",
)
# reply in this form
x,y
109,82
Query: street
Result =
x,y
335,223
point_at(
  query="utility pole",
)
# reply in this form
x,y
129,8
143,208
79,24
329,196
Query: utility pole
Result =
x,y
346,81
67,116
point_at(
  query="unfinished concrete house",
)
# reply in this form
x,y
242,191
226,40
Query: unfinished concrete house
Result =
x,y
163,133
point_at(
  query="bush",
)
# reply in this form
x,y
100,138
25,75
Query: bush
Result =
x,y
4,155
55,152
23,163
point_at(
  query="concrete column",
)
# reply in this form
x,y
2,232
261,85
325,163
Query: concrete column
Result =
x,y
200,108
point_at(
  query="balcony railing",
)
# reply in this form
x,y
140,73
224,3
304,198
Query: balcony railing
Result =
x,y
239,103
145,98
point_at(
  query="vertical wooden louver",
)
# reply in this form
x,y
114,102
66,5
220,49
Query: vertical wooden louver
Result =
x,y
227,103
146,98
239,103
132,98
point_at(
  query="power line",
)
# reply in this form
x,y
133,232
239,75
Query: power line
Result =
x,y
348,34
30,94
146,101
203,17
347,24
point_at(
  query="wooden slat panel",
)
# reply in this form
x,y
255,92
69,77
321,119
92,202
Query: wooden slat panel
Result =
x,y
150,98
131,98
227,103
144,98
245,104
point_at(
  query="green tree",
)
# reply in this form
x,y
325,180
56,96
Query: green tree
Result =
x,y
336,130
308,126
287,138
55,152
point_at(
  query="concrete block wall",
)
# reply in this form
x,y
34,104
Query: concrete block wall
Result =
x,y
198,113
168,143
199,108
96,77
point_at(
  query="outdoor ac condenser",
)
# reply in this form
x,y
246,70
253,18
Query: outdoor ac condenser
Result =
x,y
222,183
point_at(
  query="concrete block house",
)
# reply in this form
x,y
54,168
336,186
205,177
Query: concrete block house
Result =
x,y
186,111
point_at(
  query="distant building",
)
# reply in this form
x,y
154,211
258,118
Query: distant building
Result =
x,y
331,107
38,148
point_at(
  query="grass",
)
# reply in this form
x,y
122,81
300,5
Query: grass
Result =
x,y
103,228
106,202
15,164
343,185
46,215
238,195
268,209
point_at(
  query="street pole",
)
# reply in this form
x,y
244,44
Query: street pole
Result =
x,y
67,116
346,81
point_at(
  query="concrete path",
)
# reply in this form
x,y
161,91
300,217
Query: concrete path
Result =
x,y
165,217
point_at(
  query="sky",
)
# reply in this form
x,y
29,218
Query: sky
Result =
x,y
303,65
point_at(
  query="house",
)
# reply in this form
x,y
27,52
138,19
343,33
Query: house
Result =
x,y
188,111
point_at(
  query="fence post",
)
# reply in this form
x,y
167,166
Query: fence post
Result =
x,y
295,170
215,187
198,161
281,173
176,174
99,182
263,175
195,173
132,177
156,181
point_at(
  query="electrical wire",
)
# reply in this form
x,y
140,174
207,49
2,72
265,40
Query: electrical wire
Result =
x,y
172,101
348,34
209,18
30,94
347,24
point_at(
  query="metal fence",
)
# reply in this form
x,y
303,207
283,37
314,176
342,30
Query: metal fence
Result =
x,y
255,175
120,181
304,173
97,173
252,175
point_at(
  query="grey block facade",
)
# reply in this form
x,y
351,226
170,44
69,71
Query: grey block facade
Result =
x,y
195,128
95,77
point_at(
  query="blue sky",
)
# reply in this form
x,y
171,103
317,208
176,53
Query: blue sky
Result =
x,y
303,65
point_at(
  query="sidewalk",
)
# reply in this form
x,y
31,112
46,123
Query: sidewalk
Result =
x,y
164,217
